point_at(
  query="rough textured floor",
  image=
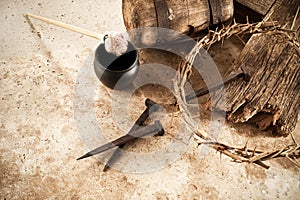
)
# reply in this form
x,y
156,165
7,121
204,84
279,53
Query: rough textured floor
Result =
x,y
52,103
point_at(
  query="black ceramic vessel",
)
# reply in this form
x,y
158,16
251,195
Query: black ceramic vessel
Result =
x,y
116,72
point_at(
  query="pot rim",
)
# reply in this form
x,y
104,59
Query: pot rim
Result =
x,y
134,64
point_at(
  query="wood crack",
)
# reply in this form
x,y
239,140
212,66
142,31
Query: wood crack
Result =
x,y
271,98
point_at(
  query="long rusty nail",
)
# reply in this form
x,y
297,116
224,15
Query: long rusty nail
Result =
x,y
155,128
151,107
241,72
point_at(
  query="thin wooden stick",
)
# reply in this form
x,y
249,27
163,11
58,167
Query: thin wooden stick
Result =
x,y
92,34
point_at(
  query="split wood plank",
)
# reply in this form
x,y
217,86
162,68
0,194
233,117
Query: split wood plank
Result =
x,y
271,99
259,6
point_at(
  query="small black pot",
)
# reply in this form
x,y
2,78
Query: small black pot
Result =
x,y
116,72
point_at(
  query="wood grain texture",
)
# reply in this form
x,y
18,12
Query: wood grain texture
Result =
x,y
260,6
272,97
182,16
162,13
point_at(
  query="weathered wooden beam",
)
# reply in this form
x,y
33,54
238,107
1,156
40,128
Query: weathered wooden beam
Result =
x,y
259,6
271,99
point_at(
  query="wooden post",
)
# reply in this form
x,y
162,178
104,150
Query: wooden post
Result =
x,y
271,99
259,6
184,16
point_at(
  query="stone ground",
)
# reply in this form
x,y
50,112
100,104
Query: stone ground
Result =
x,y
53,106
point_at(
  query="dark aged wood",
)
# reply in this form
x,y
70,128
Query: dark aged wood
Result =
x,y
271,99
259,6
182,16
162,13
